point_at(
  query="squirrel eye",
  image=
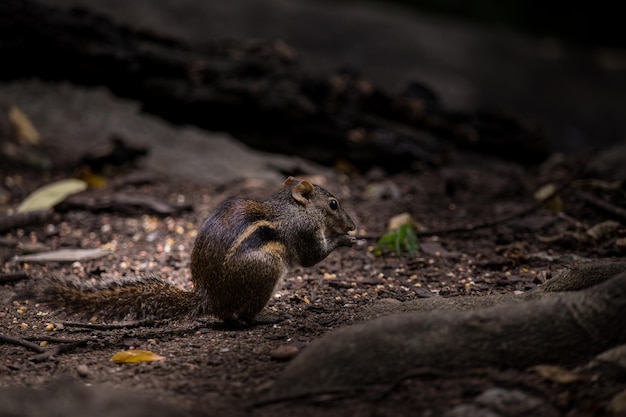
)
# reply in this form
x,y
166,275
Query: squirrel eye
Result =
x,y
333,204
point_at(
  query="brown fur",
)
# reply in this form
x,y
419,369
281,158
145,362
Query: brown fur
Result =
x,y
246,246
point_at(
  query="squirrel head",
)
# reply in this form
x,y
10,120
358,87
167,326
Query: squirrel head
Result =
x,y
321,205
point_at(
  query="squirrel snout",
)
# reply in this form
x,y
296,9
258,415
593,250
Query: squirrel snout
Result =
x,y
342,235
343,230
349,226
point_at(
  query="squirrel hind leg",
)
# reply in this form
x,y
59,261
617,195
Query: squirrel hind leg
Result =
x,y
255,277
248,310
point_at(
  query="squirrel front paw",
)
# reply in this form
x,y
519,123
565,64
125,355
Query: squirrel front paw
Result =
x,y
346,240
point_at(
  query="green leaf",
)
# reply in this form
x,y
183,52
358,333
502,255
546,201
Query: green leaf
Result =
x,y
411,241
50,195
403,239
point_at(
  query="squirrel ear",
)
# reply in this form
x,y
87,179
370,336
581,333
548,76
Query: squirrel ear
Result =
x,y
290,180
302,191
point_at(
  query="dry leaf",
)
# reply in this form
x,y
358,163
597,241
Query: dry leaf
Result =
x,y
556,374
24,129
93,180
64,255
553,204
50,195
136,355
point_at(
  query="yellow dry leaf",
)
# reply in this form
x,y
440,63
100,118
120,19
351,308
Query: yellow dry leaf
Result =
x,y
136,355
24,129
50,195
553,204
92,180
556,374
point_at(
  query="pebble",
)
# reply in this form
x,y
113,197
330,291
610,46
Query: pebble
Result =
x,y
385,190
284,353
83,371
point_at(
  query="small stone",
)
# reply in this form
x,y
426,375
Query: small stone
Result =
x,y
83,371
385,190
284,353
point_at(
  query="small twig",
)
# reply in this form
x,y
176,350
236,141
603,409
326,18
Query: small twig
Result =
x,y
492,223
13,277
50,339
21,342
602,205
125,203
56,350
506,219
24,219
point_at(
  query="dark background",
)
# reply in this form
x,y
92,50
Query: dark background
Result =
x,y
584,23
561,66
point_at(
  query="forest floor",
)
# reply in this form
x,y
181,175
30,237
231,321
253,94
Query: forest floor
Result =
x,y
210,369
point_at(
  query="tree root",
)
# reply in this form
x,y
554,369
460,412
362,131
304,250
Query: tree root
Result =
x,y
581,277
565,328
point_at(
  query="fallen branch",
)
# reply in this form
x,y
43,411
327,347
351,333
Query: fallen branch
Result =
x,y
21,342
57,350
13,277
522,213
124,203
50,339
605,206
13,221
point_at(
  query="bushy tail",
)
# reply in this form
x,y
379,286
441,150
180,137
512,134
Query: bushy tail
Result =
x,y
128,297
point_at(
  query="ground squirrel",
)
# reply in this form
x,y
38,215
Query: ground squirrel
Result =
x,y
240,253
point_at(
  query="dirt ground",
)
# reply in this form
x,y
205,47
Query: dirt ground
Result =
x,y
210,369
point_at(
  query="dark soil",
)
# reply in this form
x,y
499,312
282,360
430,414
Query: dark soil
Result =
x,y
212,369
